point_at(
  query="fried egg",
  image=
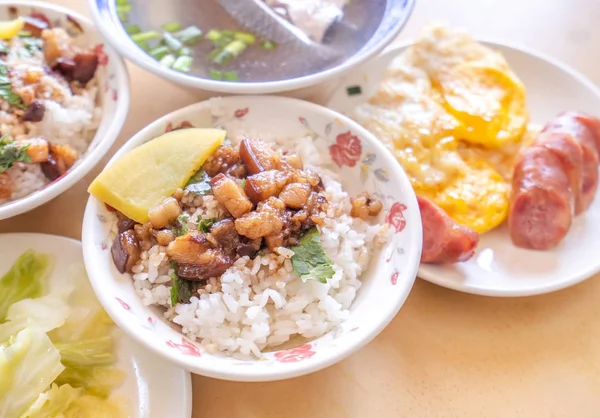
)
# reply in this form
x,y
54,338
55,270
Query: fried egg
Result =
x,y
454,115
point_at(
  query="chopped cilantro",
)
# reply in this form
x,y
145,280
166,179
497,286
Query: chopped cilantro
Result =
x,y
309,260
199,184
6,90
10,153
205,224
180,225
181,290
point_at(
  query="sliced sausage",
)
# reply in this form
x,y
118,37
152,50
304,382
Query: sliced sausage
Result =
x,y
570,154
541,202
587,140
590,122
444,241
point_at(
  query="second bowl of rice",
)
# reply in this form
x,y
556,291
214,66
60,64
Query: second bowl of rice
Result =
x,y
257,318
64,97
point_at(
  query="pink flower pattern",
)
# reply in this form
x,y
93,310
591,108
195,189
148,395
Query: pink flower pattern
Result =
x,y
346,150
295,354
123,304
240,113
395,217
185,348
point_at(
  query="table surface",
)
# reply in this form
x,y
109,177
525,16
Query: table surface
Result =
x,y
446,354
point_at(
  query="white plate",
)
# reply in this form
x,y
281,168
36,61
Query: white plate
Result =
x,y
499,268
153,387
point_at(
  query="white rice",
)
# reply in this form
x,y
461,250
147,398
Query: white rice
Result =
x,y
261,303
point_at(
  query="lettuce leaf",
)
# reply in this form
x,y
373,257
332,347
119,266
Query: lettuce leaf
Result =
x,y
48,312
24,280
89,406
29,363
54,402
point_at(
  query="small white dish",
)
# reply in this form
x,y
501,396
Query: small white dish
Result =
x,y
367,167
153,388
499,268
114,97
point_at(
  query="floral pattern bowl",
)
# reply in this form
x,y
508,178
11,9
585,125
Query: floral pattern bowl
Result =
x,y
113,96
362,162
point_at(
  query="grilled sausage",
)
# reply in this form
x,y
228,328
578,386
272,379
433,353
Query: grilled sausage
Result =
x,y
541,202
567,124
570,155
444,241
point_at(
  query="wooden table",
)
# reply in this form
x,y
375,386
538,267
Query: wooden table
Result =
x,y
446,354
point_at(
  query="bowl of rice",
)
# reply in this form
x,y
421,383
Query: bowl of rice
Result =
x,y
300,285
64,97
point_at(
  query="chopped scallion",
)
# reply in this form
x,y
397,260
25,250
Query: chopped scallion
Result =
x,y
185,51
268,44
245,37
124,8
144,45
232,50
216,74
168,60
213,35
159,52
24,34
231,76
183,64
123,17
133,29
122,2
145,36
172,27
189,35
228,32
172,42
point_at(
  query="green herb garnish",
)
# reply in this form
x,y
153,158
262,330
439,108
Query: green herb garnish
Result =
x,y
10,153
182,290
172,42
180,225
309,260
199,184
205,224
5,88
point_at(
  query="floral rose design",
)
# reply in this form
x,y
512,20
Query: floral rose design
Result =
x,y
396,217
115,96
182,125
394,278
295,354
123,304
240,113
102,56
186,348
346,150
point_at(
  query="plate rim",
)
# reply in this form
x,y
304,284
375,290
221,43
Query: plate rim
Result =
x,y
186,390
494,43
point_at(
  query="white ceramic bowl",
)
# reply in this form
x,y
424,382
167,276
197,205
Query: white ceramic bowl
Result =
x,y
114,97
103,13
386,283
